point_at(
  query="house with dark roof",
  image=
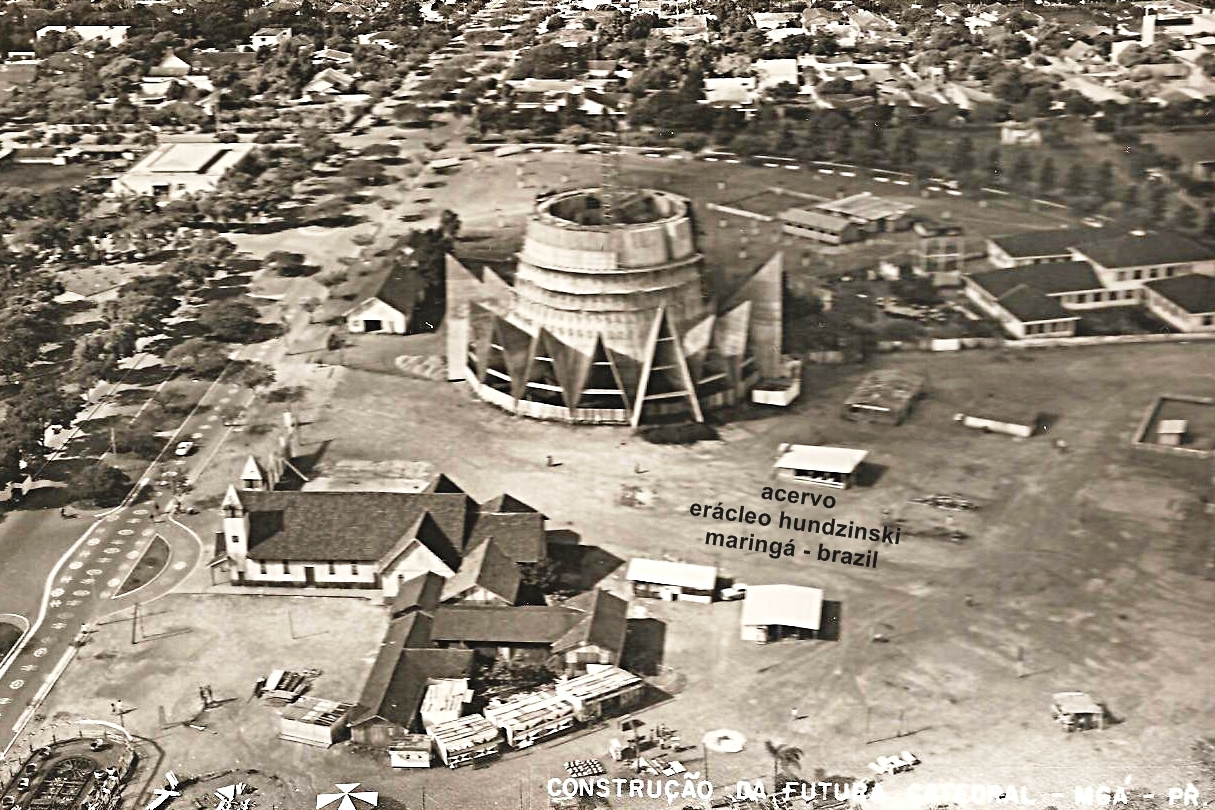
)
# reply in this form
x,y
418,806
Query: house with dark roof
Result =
x,y
1070,285
1187,303
1127,262
377,540
390,306
1033,247
406,667
586,629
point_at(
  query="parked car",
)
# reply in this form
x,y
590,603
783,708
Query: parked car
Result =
x,y
7,802
24,784
184,448
735,592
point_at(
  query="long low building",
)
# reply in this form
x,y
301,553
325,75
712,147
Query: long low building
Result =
x,y
466,740
174,170
834,467
773,612
672,581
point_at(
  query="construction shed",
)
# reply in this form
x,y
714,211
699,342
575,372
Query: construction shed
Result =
x,y
463,741
773,612
411,751
885,396
603,692
1023,425
315,721
672,581
834,467
1076,711
527,719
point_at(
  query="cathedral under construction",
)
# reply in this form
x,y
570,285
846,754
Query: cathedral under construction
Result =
x,y
608,320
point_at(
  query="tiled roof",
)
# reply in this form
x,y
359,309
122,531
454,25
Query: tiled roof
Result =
x,y
604,623
1028,305
402,289
506,625
488,567
1050,242
1048,278
354,526
1146,250
520,535
817,220
420,593
1193,292
402,671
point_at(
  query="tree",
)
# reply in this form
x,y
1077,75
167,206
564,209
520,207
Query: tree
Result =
x,y
1022,169
1077,180
1047,175
995,166
99,484
962,161
198,357
230,321
1184,217
1103,181
784,758
139,441
449,224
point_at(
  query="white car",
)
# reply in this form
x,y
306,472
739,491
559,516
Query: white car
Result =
x,y
735,592
184,448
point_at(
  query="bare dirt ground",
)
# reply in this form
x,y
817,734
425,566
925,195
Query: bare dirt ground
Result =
x,y
1080,564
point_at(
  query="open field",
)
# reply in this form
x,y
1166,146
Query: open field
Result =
x,y
41,177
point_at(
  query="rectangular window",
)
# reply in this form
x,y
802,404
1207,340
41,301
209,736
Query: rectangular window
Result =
x,y
1208,320
1137,275
332,567
354,569
285,566
262,564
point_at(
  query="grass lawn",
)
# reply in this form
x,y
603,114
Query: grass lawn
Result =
x,y
38,177
149,566
9,634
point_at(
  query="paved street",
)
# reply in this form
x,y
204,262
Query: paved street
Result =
x,y
81,587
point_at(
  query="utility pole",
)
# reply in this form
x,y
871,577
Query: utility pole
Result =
x,y
134,624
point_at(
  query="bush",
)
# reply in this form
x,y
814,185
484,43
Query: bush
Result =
x,y
679,434
99,484
139,443
333,278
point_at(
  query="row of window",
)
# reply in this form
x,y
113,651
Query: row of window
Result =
x,y
1147,273
1103,295
1049,328
354,567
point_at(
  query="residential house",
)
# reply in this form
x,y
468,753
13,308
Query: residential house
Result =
x,y
329,81
269,38
330,56
767,21
389,309
115,35
380,39
772,72
171,66
1187,303
731,92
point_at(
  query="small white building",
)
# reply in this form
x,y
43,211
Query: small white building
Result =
x,y
411,751
315,721
773,612
834,467
672,581
390,308
1023,427
1171,432
463,741
269,38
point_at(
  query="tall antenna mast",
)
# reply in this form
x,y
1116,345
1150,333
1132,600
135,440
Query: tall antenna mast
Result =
x,y
609,170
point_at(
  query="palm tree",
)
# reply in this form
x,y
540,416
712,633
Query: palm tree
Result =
x,y
784,757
